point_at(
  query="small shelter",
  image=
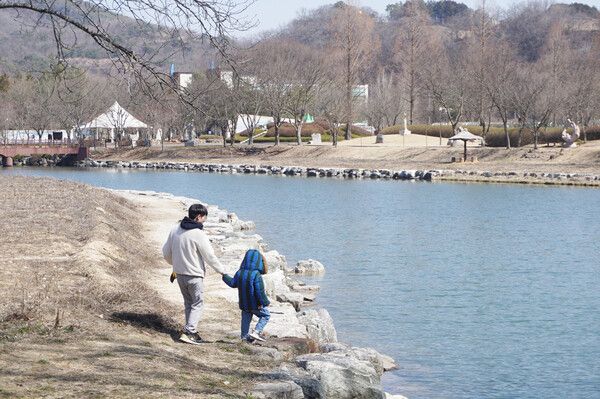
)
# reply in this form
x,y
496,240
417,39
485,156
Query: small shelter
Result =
x,y
464,135
116,118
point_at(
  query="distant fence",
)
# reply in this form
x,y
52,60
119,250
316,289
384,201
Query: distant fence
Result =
x,y
44,142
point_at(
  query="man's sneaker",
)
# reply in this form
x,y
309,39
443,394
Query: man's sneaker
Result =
x,y
191,338
257,335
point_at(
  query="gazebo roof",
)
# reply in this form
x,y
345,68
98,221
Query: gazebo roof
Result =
x,y
465,135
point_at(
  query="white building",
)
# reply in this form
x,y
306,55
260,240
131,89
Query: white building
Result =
x,y
183,79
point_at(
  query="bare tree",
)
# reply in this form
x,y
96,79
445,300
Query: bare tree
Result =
x,y
79,98
331,105
306,82
409,50
499,80
583,90
482,32
445,77
177,21
275,80
354,41
385,102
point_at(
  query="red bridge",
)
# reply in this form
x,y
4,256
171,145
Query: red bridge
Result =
x,y
8,150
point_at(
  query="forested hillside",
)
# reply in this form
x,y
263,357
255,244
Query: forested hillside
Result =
x,y
27,43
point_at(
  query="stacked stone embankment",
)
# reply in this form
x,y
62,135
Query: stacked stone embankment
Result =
x,y
521,177
335,370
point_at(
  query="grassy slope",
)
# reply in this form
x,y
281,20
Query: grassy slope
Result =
x,y
77,250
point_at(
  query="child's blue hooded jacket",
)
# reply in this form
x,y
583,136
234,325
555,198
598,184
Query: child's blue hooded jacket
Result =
x,y
249,282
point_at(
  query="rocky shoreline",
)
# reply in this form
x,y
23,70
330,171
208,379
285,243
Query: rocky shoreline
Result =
x,y
334,370
514,177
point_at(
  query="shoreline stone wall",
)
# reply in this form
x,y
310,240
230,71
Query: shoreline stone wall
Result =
x,y
521,177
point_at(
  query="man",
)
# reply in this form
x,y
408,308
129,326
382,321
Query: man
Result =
x,y
189,250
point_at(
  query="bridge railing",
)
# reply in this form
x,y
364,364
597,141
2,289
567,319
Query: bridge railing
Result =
x,y
41,143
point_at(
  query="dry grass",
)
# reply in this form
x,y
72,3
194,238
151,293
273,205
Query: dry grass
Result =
x,y
77,319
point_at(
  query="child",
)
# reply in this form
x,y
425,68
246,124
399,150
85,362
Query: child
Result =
x,y
251,291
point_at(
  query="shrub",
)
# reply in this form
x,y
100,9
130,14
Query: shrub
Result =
x,y
257,130
354,130
495,137
592,133
288,130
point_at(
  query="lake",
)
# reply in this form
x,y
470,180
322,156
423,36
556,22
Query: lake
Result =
x,y
477,291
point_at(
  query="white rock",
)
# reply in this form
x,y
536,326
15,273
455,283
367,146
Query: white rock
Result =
x,y
309,266
275,260
275,284
319,325
277,390
284,322
390,396
291,297
341,377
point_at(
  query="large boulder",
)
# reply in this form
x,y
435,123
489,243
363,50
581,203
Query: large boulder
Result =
x,y
275,261
390,396
238,224
319,325
294,298
339,377
275,284
309,266
284,322
380,362
277,390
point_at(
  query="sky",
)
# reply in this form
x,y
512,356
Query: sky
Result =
x,y
271,14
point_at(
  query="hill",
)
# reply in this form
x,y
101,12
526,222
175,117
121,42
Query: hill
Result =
x,y
27,43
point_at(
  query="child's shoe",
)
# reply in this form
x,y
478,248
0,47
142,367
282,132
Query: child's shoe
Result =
x,y
257,335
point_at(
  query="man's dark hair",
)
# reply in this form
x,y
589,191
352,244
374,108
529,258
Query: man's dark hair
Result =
x,y
197,209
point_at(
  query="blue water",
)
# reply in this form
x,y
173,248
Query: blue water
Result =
x,y
477,291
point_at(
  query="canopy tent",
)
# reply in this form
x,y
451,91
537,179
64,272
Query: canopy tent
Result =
x,y
116,117
464,135
257,120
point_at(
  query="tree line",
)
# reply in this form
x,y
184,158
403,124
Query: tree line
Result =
x,y
528,68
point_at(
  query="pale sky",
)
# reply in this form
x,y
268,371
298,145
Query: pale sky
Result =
x,y
271,14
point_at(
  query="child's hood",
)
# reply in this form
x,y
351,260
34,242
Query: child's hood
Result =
x,y
254,261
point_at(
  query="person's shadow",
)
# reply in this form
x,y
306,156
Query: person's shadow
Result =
x,y
151,321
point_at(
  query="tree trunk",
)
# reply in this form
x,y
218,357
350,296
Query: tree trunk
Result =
x,y
299,133
482,124
505,126
411,101
276,133
454,125
251,136
334,133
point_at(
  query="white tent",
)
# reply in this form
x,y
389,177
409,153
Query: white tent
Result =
x,y
116,117
258,120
